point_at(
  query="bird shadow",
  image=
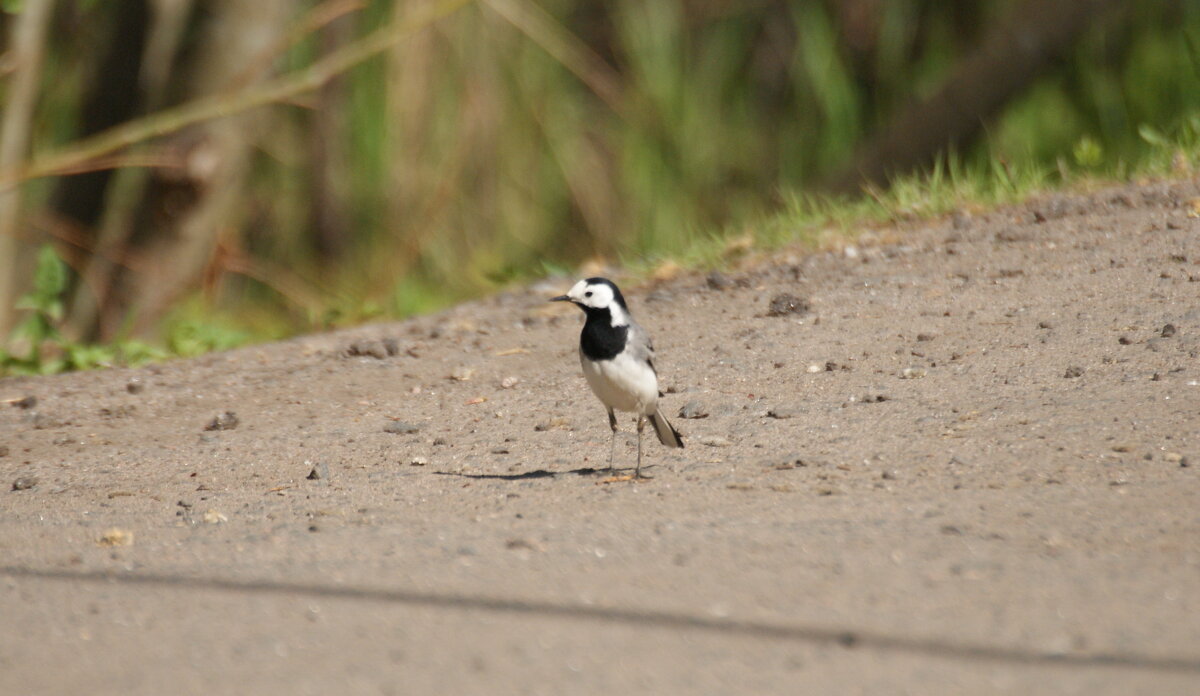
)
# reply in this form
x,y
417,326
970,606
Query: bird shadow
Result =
x,y
535,474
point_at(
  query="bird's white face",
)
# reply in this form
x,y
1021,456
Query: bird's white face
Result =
x,y
596,295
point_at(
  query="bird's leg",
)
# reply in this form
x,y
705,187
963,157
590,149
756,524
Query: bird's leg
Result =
x,y
640,426
612,450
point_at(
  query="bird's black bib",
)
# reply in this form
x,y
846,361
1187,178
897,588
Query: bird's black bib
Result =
x,y
601,340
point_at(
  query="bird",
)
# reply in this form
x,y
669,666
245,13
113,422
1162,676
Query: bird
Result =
x,y
618,362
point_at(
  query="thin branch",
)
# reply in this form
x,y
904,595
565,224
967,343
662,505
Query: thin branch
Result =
x,y
317,17
565,47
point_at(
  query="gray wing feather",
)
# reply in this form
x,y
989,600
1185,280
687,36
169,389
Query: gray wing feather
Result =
x,y
639,346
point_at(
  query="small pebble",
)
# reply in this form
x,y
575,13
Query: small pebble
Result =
x,y
3,450
924,337
912,373
1167,331
462,373
418,461
1045,325
135,386
320,471
368,348
719,281
786,463
509,382
24,483
26,403
115,537
556,423
693,409
815,368
211,516
499,450
1124,340
715,441
400,428
785,304
1173,457
1073,372
223,421
784,412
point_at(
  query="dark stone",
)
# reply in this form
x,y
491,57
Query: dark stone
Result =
x,y
784,304
24,483
368,348
719,281
223,421
400,428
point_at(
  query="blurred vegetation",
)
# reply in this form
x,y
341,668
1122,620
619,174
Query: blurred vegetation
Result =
x,y
399,160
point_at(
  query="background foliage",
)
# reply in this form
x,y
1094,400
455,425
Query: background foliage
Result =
x,y
511,137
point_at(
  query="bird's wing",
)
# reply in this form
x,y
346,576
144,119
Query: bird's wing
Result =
x,y
639,346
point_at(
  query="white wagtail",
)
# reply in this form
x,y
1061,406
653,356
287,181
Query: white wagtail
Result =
x,y
617,360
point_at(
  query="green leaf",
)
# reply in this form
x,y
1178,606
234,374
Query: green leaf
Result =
x,y
50,278
1151,135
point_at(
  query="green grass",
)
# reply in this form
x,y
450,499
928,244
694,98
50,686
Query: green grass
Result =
x,y
804,222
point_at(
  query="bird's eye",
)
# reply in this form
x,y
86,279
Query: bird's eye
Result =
x,y
588,293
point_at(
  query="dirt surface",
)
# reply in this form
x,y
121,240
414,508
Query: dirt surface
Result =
x,y
972,466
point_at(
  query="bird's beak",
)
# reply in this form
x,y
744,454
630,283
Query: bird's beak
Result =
x,y
560,298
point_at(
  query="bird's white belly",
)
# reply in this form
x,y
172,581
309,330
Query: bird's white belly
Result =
x,y
623,384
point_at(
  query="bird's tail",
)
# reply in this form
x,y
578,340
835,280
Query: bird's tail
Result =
x,y
667,434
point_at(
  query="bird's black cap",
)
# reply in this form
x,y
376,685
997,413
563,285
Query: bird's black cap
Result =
x,y
616,291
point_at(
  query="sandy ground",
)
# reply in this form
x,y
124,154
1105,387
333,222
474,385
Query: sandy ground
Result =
x,y
970,467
